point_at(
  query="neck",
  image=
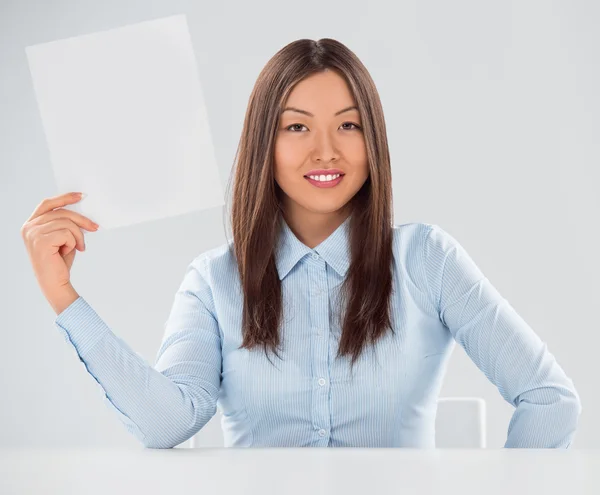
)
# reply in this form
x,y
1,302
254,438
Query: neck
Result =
x,y
312,228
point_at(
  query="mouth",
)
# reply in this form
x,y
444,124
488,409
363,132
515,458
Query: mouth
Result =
x,y
336,179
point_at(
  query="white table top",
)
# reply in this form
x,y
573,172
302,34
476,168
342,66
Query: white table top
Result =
x,y
290,471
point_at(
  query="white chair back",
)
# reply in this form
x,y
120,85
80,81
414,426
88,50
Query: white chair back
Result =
x,y
460,423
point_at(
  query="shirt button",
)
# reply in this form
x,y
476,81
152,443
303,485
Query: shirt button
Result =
x,y
322,433
321,381
315,256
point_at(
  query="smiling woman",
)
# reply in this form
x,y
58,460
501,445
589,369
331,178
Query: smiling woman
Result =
x,y
318,272
314,153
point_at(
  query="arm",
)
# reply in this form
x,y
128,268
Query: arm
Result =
x,y
61,298
502,345
164,405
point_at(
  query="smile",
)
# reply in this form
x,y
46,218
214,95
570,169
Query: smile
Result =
x,y
325,183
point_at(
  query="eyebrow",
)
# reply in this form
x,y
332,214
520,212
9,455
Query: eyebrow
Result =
x,y
293,109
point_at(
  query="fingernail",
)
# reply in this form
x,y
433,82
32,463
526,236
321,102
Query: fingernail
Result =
x,y
82,196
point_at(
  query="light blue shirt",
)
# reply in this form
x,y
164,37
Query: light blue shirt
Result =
x,y
310,399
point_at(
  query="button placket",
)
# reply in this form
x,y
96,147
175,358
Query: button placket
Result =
x,y
319,319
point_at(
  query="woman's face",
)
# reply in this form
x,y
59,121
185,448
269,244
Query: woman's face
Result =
x,y
329,138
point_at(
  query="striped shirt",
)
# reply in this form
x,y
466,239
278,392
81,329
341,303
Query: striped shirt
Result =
x,y
309,398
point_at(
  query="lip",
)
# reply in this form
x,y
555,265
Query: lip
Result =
x,y
326,184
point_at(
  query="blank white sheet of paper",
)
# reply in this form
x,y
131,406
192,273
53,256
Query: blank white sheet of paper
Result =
x,y
125,121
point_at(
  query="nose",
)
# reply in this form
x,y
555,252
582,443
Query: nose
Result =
x,y
324,150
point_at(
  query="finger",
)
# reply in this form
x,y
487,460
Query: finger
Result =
x,y
63,238
77,218
61,224
48,204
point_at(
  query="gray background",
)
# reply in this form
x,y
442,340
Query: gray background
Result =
x,y
492,116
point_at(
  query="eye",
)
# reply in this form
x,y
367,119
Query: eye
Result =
x,y
356,126
289,127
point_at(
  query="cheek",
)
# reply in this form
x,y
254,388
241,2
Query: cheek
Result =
x,y
288,160
357,148
288,154
358,152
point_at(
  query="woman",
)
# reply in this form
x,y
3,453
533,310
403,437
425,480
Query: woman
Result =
x,y
362,315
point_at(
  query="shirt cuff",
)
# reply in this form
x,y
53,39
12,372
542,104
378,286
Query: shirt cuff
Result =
x,y
81,326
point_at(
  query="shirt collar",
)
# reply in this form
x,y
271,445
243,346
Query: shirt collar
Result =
x,y
335,250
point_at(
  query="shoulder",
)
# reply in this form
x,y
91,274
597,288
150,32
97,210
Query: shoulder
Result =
x,y
411,236
424,252
216,263
411,229
209,275
426,237
408,246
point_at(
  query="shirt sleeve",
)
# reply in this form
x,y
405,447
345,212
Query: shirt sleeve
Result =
x,y
164,405
502,345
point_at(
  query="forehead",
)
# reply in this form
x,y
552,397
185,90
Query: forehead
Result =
x,y
321,93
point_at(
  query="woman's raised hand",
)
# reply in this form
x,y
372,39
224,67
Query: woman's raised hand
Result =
x,y
52,235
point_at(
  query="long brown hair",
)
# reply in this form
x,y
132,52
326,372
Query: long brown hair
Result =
x,y
256,209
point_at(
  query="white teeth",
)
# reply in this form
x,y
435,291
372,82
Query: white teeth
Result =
x,y
324,177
